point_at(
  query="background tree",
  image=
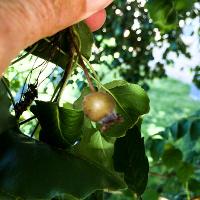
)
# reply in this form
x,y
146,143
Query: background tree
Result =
x,y
132,32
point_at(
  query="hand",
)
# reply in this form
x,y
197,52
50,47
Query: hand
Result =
x,y
25,22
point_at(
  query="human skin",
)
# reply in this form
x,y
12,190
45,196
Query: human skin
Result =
x,y
25,22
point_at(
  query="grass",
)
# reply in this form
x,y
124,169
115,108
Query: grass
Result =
x,y
170,101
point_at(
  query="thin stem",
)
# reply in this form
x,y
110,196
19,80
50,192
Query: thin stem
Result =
x,y
91,67
27,120
60,88
187,191
93,71
87,76
64,79
82,63
35,129
58,48
8,90
165,176
55,91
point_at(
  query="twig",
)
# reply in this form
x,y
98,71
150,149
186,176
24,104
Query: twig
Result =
x,y
187,191
58,48
35,129
82,63
165,176
27,120
55,91
93,71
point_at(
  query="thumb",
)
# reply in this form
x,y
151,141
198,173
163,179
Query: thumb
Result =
x,y
25,22
71,12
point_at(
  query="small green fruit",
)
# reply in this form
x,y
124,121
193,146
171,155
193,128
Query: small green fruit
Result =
x,y
98,105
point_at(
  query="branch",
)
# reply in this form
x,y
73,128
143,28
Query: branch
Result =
x,y
27,120
164,176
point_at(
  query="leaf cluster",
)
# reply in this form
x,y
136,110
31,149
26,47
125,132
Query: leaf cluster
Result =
x,y
175,156
72,158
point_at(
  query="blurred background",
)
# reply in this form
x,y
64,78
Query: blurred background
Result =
x,y
159,50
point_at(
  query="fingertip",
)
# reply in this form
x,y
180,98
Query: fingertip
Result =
x,y
97,20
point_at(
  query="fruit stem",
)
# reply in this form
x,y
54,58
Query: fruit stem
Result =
x,y
82,64
87,75
93,71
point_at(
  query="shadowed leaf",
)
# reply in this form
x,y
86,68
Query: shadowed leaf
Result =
x,y
56,48
6,119
30,169
61,127
129,157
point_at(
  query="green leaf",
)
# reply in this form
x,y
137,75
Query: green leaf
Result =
x,y
185,171
172,157
164,134
130,96
61,127
129,157
115,83
56,48
150,195
31,169
86,39
180,128
7,121
163,14
4,196
195,129
96,148
183,5
156,148
68,105
132,103
78,103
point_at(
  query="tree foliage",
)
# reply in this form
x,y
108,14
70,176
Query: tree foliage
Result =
x,y
134,29
72,158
